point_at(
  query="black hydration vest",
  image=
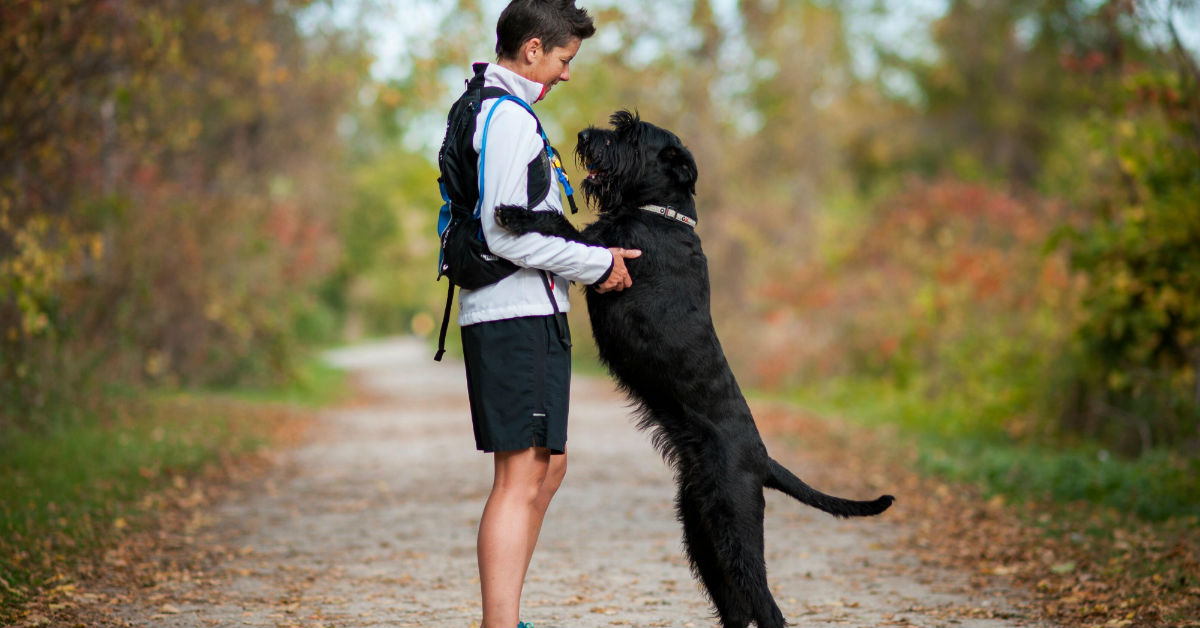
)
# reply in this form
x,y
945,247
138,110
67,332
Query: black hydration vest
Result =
x,y
464,257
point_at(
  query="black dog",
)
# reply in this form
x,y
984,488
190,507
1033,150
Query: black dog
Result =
x,y
657,338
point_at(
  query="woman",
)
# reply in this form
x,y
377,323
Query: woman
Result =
x,y
515,341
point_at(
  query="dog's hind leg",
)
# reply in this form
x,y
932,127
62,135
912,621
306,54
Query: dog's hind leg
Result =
x,y
735,514
731,607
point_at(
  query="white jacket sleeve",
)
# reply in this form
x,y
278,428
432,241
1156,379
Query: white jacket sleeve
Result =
x,y
513,142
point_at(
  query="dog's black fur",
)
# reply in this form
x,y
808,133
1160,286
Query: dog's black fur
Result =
x,y
657,338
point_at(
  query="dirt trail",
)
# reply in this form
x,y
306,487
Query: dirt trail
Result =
x,y
373,522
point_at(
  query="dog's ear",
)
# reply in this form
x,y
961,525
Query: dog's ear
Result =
x,y
679,164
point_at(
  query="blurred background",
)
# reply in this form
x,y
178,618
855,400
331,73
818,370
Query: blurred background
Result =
x,y
975,219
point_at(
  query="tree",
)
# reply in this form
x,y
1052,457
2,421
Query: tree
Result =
x,y
166,189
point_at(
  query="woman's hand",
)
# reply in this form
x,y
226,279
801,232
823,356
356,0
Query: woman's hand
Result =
x,y
619,278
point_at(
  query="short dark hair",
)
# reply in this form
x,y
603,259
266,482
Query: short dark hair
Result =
x,y
555,22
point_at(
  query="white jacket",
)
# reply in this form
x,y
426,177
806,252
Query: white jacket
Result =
x,y
513,142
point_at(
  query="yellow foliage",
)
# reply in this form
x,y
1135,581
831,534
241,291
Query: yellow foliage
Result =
x,y
146,139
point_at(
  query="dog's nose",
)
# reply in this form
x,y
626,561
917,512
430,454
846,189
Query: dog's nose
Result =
x,y
583,135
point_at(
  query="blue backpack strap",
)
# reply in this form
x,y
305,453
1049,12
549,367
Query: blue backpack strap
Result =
x,y
562,175
555,162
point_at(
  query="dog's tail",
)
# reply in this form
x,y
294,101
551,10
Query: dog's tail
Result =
x,y
781,479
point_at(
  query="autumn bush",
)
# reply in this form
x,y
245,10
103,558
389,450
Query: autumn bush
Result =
x,y
1135,379
1027,262
168,182
949,292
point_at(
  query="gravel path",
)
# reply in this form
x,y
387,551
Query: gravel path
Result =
x,y
373,521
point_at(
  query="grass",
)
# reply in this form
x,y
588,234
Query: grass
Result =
x,y
1155,487
314,384
66,491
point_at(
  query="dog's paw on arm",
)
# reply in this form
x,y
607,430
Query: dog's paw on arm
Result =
x,y
522,220
513,217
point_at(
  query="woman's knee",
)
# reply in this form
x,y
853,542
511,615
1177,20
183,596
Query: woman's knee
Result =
x,y
521,475
555,472
557,469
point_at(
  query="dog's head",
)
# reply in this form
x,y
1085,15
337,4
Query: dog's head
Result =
x,y
635,163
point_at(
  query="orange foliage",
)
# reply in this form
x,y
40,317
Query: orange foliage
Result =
x,y
167,189
941,261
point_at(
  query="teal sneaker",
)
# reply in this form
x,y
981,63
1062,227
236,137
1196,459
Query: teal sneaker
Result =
x,y
524,625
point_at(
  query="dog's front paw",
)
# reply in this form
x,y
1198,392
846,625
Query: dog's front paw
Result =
x,y
513,217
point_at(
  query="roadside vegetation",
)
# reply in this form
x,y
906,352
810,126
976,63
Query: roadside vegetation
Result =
x,y
169,192
1072,561
70,491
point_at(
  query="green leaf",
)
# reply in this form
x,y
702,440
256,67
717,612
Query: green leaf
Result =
x,y
1063,568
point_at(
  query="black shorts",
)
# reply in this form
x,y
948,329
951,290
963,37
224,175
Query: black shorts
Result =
x,y
519,382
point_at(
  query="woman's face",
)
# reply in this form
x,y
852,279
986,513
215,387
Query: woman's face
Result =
x,y
548,67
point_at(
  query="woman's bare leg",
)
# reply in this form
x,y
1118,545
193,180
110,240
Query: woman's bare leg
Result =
x,y
553,479
524,483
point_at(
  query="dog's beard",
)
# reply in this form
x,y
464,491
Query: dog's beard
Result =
x,y
599,187
601,192
602,187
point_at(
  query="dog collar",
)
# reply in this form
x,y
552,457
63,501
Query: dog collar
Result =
x,y
667,212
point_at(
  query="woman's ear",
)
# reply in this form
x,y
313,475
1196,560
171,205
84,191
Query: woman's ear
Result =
x,y
532,49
